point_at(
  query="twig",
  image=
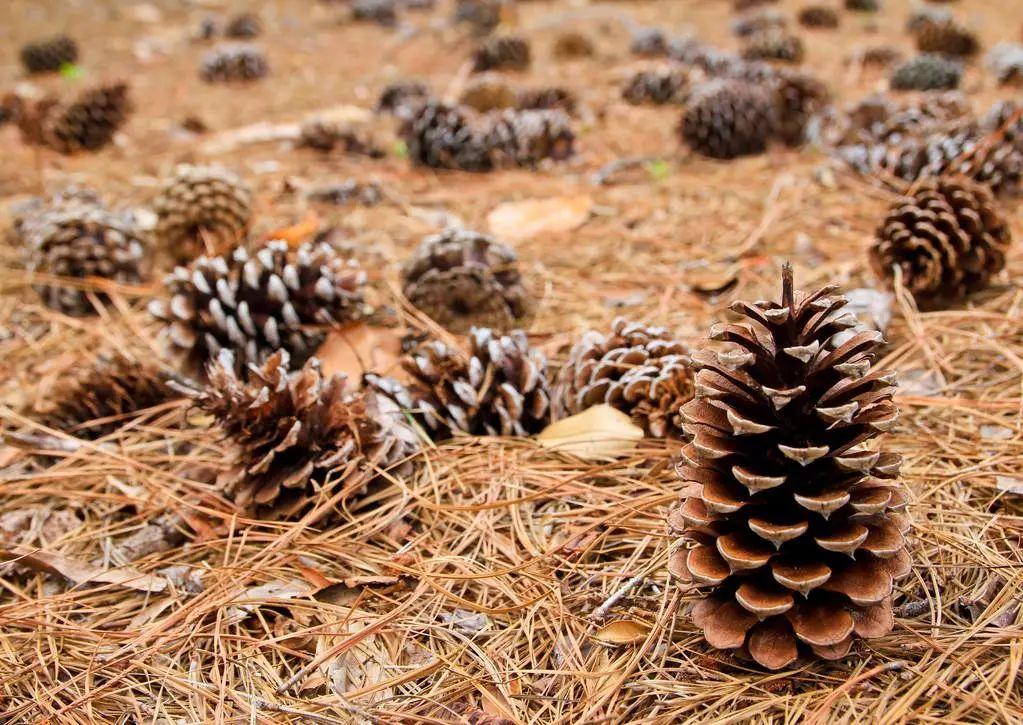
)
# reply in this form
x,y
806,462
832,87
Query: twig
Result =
x,y
602,611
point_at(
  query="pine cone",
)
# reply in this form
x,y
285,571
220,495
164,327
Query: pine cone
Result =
x,y
488,92
244,26
879,56
403,99
572,45
549,98
727,118
507,52
818,16
773,45
525,138
297,432
88,124
255,304
1006,62
799,97
482,16
233,63
94,404
325,134
757,22
948,239
927,73
461,278
925,15
643,371
649,42
201,207
75,236
381,12
499,388
869,6
659,86
947,38
788,498
443,137
49,55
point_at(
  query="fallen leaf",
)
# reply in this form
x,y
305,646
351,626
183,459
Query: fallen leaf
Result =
x,y
269,594
996,432
524,219
713,278
296,233
81,572
622,631
360,348
597,432
1009,484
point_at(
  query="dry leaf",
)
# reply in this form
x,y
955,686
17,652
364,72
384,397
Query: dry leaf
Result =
x,y
1009,484
597,432
524,219
360,348
80,572
622,631
296,233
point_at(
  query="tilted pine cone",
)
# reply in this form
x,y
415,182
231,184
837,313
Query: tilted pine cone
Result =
x,y
444,137
948,239
201,207
75,236
799,96
233,63
548,98
796,523
506,52
326,134
87,124
818,16
947,38
256,304
488,92
296,432
49,55
658,86
525,138
403,99
499,388
461,278
727,118
927,73
643,371
774,45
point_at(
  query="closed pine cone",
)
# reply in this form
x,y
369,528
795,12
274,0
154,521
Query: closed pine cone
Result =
x,y
445,137
325,134
728,118
948,239
462,279
488,92
818,16
233,63
499,388
403,99
947,38
295,432
201,207
796,524
774,45
87,124
547,98
571,45
927,72
506,52
526,137
643,371
49,55
658,86
257,303
799,97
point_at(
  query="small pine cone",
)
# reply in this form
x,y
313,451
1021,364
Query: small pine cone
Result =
x,y
461,278
443,137
256,304
201,207
49,55
659,86
482,16
800,96
488,92
506,52
233,63
927,73
88,124
75,236
525,138
948,239
381,12
947,38
296,431
818,16
1006,62
867,6
550,98
325,134
94,404
773,45
244,26
741,5
879,56
643,371
925,15
403,99
757,22
499,388
572,45
797,523
649,42
726,119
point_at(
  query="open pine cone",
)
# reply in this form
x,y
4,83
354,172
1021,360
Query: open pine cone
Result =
x,y
524,138
255,304
948,239
233,63
461,278
795,519
201,207
657,86
643,371
728,118
927,72
87,124
504,52
49,55
948,38
444,137
297,432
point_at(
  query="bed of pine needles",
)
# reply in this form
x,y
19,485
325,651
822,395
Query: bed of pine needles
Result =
x,y
502,580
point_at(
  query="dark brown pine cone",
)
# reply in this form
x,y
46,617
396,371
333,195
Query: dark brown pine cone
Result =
x,y
326,134
403,99
49,55
87,124
499,388
927,72
947,239
381,12
547,98
233,63
947,38
796,521
462,279
643,371
506,52
725,119
445,137
658,86
74,236
868,6
818,16
243,26
255,304
297,434
799,96
525,138
201,208
774,45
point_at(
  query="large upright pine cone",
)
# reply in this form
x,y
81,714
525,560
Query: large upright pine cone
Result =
x,y
87,124
201,207
728,118
256,304
947,38
233,63
49,55
774,45
296,432
499,388
75,236
527,137
793,515
505,52
658,86
444,137
643,371
928,72
462,279
948,239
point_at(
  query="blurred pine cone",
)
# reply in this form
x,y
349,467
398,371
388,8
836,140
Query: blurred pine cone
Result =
x,y
325,134
947,38
869,6
443,137
233,63
658,86
649,42
758,22
927,73
948,239
818,16
460,278
488,92
572,45
725,119
49,55
788,499
482,16
774,45
295,433
403,99
643,371
525,138
201,208
547,98
256,304
87,124
381,12
244,26
799,97
505,52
